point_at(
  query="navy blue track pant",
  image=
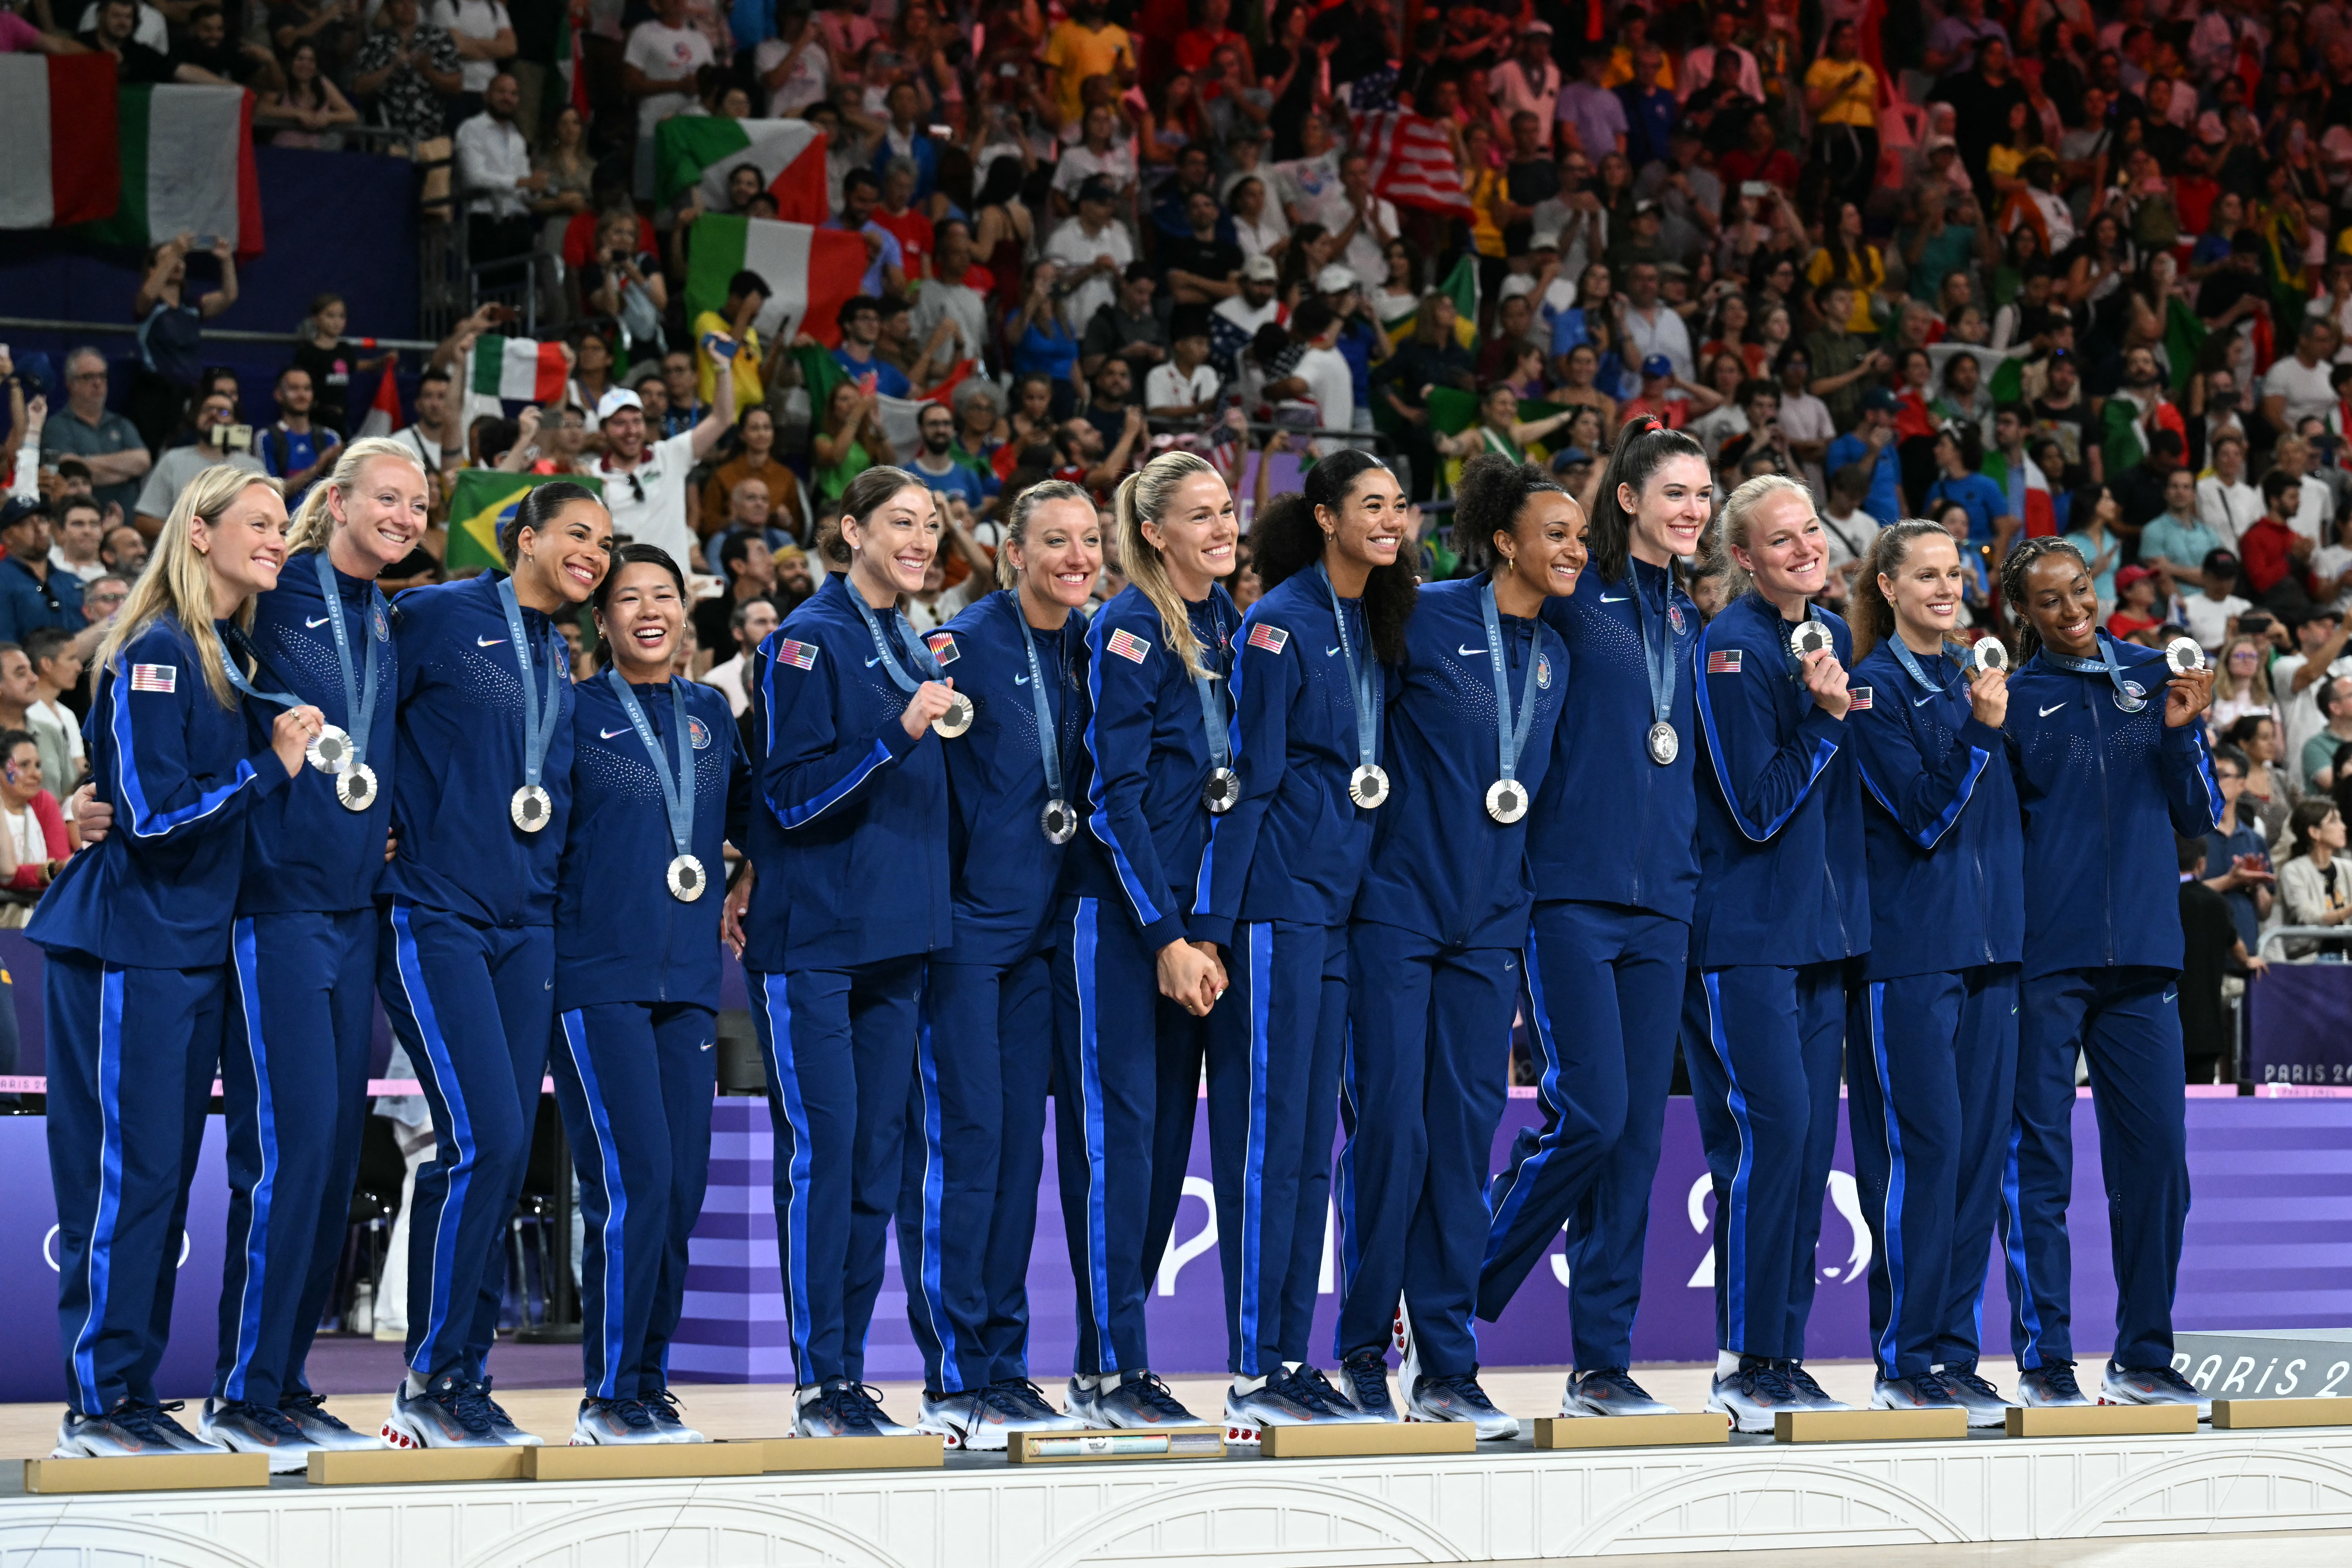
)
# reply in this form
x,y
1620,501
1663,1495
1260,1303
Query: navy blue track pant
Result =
x,y
1763,1046
130,1057
1932,1075
294,1061
1428,1070
1603,997
633,1082
1126,1078
2127,1020
840,1050
975,1155
473,1004
1274,1090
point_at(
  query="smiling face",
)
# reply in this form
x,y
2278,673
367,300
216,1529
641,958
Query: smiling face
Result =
x,y
244,547
1673,509
1546,547
1370,527
385,513
1783,552
1196,533
2062,604
892,546
573,554
1925,589
641,620
1060,555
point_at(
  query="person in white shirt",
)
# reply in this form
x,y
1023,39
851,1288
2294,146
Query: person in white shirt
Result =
x,y
1184,387
2229,505
2296,388
1698,66
2315,518
1255,305
495,173
1323,370
645,486
946,297
1103,152
658,70
178,465
56,668
1360,223
73,545
1528,82
152,29
1847,530
2294,680
1094,249
751,622
483,37
1652,327
1300,183
2208,612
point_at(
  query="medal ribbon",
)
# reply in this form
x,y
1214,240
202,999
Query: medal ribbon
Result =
x,y
1510,735
359,702
1657,652
2108,664
1365,684
898,675
1213,708
677,793
1049,735
540,716
1910,662
233,642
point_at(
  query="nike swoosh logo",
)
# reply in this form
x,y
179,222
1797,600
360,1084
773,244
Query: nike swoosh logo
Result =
x,y
708,1044
2052,709
875,660
608,735
315,625
1470,652
1330,653
488,642
1923,701
1617,599
2171,995
1020,680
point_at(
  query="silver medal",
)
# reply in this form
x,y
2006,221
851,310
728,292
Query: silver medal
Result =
x,y
329,750
2184,655
1368,787
530,808
1059,823
956,720
1507,800
2132,698
1664,744
1811,638
687,878
1988,654
355,787
1221,791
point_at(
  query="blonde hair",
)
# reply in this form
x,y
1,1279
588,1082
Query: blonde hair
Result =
x,y
1731,527
313,524
1143,496
178,582
1025,511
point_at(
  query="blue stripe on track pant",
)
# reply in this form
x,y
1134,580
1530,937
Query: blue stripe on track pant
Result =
x,y
1274,1087
1603,996
635,1081
294,1059
975,1155
1931,1069
1764,1049
1127,1086
1426,1075
2128,1021
840,1050
473,1004
131,1059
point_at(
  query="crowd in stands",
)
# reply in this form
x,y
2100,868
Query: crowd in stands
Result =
x,y
2077,267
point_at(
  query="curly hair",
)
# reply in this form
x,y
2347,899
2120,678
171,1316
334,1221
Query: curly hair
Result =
x,y
1487,500
1287,539
2012,586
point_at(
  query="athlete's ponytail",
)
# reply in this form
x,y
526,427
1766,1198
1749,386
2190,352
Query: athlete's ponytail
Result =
x,y
1872,614
2012,586
1643,448
1287,537
313,523
1144,497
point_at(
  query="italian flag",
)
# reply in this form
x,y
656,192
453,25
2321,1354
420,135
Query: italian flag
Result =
x,y
187,168
810,272
2040,517
705,150
519,370
56,119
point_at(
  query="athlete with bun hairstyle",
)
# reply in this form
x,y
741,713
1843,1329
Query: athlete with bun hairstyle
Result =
x,y
1609,939
1434,947
1931,1030
1783,902
1278,880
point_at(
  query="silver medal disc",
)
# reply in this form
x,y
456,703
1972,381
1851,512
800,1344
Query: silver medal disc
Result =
x,y
687,878
1507,800
956,720
1220,790
355,787
2131,698
530,808
1368,787
1664,744
329,750
2184,655
1811,638
1058,821
1988,654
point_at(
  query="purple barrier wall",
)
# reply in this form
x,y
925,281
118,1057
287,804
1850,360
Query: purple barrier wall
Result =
x,y
2295,1024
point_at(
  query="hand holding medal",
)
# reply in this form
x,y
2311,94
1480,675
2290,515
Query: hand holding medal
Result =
x,y
2190,690
1824,677
293,732
937,705
1986,665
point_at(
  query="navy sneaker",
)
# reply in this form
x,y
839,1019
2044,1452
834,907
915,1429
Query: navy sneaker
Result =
x,y
2151,1385
1755,1395
2051,1384
662,1405
503,1423
1038,1409
1458,1397
614,1423
1815,1396
1926,1392
1364,1378
131,1429
244,1428
449,1414
1311,1384
830,1412
310,1416
1609,1390
1981,1400
1140,1401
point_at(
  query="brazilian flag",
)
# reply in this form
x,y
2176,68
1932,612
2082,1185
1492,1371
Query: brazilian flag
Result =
x,y
482,506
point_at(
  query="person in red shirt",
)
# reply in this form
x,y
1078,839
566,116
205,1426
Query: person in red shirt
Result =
x,y
1761,157
2274,558
905,221
2136,589
1197,47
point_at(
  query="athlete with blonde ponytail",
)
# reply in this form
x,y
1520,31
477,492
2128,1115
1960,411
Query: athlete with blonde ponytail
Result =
x,y
137,932
1136,972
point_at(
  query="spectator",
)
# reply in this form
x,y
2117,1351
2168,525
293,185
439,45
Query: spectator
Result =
x,y
2212,611
2319,638
849,440
2276,558
749,623
934,460
1841,95
860,321
106,442
1592,119
217,435
294,448
658,67
651,508
2334,696
37,844
484,37
2209,948
1129,327
1040,345
1958,457
1847,530
1870,446
2256,738
406,68
747,297
56,667
2091,516
1185,388
2237,854
2228,505
2176,542
2242,682
494,168
78,526
1088,44
123,549
755,459
957,292
2297,386
1094,250
171,350
2137,608
2315,890
135,62
886,259
1359,222
31,592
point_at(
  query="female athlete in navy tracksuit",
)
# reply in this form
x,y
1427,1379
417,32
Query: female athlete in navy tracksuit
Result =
x,y
466,963
975,1153
2110,761
851,855
136,935
1135,975
1611,932
1782,904
1931,1032
659,786
302,1001
1436,939
1278,880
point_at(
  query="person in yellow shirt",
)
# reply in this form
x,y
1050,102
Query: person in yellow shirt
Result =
x,y
747,296
1845,256
1088,44
1841,95
1632,31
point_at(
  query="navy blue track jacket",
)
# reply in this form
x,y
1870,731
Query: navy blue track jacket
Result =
x,y
1293,846
303,852
1149,747
160,890
1613,826
1782,876
461,757
2103,792
850,839
619,934
1006,876
1439,864
1946,848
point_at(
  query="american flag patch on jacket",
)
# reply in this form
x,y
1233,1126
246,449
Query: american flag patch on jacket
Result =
x,y
155,678
943,646
1723,661
799,655
1127,645
1274,639
1857,698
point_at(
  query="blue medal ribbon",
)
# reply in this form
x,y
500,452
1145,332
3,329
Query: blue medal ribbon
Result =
x,y
358,693
1510,735
2107,664
539,715
1658,652
898,675
1049,735
1365,683
1213,707
677,793
1910,662
233,641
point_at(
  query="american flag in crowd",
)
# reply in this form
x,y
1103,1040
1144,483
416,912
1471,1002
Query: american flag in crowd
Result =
x,y
1412,162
